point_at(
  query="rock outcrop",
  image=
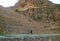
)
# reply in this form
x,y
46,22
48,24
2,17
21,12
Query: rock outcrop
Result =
x,y
31,7
37,9
41,10
30,17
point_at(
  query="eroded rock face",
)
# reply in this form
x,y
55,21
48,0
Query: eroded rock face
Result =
x,y
37,9
19,19
41,10
30,3
23,5
31,6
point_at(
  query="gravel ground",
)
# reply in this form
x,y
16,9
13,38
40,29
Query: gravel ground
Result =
x,y
56,38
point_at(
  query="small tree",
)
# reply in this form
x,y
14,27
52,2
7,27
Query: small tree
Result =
x,y
16,10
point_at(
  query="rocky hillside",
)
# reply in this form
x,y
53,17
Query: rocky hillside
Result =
x,y
30,16
31,8
37,9
12,22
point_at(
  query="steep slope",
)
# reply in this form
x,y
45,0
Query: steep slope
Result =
x,y
31,7
39,10
14,23
30,16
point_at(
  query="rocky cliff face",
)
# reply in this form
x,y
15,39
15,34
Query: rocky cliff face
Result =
x,y
38,16
37,9
31,7
40,10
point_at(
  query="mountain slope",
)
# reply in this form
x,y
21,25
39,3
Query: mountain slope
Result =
x,y
12,22
38,16
37,9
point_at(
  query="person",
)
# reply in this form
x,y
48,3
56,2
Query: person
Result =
x,y
29,31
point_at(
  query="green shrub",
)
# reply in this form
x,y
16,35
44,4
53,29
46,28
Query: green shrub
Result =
x,y
2,33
